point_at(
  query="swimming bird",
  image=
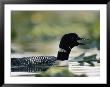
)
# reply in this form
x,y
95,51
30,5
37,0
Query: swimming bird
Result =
x,y
42,63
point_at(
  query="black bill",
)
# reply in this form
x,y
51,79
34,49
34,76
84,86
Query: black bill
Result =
x,y
81,41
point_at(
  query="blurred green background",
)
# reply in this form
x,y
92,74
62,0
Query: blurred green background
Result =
x,y
41,31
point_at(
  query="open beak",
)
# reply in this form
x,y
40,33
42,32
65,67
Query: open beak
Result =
x,y
80,40
81,44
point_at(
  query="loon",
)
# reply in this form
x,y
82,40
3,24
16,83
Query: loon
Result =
x,y
42,63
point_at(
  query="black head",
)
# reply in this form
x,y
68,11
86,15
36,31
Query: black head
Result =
x,y
67,42
70,40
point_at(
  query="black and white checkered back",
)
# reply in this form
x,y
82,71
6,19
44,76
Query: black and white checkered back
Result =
x,y
32,64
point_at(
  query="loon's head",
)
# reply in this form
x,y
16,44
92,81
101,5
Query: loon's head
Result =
x,y
68,41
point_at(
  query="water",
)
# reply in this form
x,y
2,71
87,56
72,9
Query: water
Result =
x,y
91,71
86,69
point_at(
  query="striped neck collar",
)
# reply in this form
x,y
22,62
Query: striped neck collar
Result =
x,y
62,50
